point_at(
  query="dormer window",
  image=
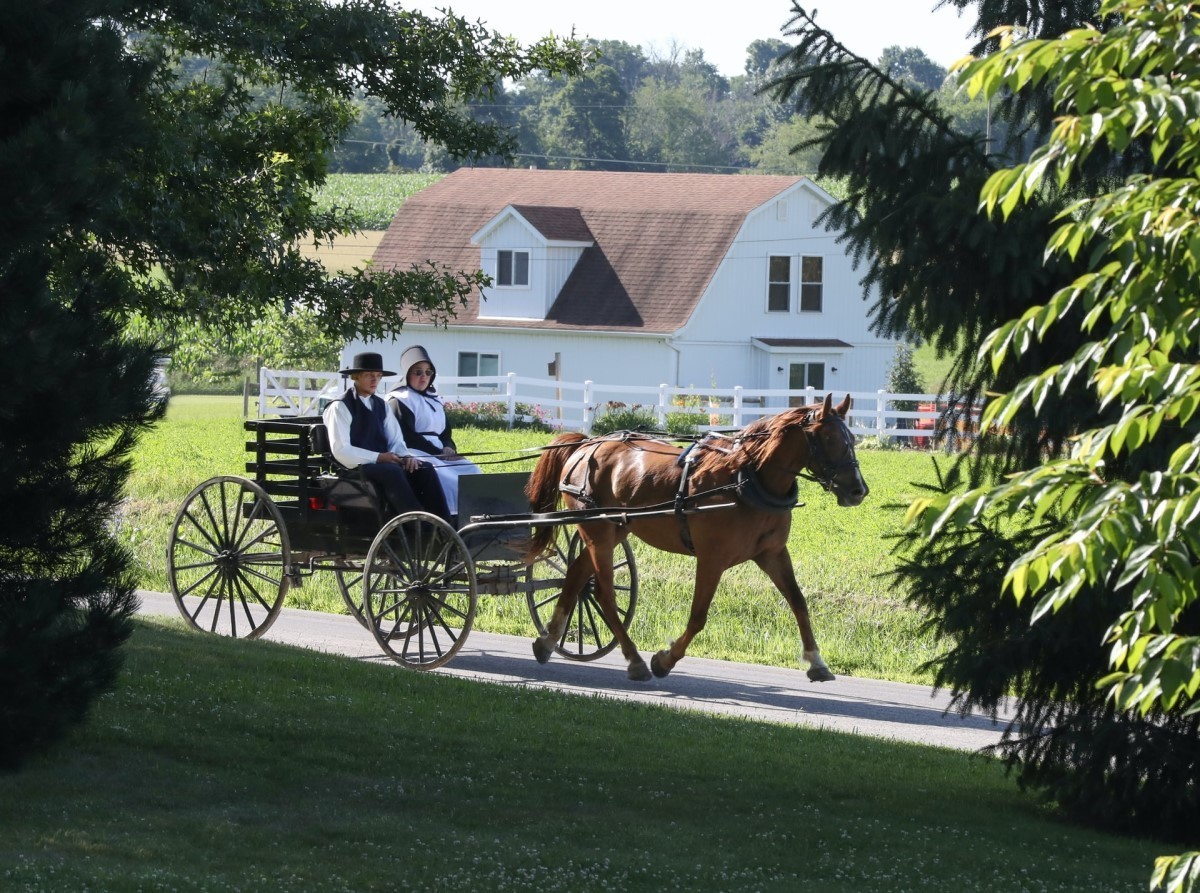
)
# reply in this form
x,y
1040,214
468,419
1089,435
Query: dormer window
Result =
x,y
512,268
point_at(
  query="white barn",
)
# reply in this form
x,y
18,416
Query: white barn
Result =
x,y
697,280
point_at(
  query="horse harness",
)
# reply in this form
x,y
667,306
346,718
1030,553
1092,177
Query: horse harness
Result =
x,y
746,487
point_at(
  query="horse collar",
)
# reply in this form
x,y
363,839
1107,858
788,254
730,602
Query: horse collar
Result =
x,y
751,491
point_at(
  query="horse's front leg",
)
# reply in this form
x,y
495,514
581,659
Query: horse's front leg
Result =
x,y
706,586
778,566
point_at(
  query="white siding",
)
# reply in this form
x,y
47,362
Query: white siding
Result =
x,y
716,348
716,342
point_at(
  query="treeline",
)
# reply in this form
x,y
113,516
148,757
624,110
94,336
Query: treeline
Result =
x,y
670,112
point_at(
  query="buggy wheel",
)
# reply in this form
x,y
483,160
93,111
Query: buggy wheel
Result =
x,y
419,590
350,584
228,558
587,635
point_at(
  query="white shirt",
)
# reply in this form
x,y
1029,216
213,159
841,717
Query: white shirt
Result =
x,y
337,423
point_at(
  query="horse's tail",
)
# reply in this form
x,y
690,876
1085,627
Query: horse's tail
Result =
x,y
542,488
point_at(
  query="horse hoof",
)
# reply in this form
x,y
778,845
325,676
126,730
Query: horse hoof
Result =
x,y
638,671
820,674
541,651
656,665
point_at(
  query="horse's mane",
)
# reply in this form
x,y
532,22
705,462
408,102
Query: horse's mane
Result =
x,y
755,443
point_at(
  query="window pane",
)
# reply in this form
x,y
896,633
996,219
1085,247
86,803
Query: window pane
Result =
x,y
489,364
816,375
520,268
812,269
810,296
779,283
796,377
468,365
504,267
777,296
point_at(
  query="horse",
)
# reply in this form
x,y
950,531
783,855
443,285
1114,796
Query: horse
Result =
x,y
727,499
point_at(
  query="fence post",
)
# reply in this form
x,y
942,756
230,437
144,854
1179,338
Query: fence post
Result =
x,y
880,418
737,406
589,411
661,411
262,389
511,385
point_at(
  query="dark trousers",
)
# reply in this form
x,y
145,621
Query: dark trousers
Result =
x,y
406,491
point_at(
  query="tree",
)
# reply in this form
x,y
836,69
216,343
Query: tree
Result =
x,y
910,65
778,153
135,183
1127,495
950,275
583,124
903,378
761,56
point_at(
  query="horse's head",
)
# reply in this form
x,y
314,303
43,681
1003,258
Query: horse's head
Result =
x,y
831,458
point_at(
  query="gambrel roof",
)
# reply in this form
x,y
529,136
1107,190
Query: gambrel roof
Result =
x,y
655,239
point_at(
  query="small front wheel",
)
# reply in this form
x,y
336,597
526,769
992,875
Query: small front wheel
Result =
x,y
419,590
228,558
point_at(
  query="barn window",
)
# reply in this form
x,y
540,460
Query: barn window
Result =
x,y
512,268
471,365
812,283
779,283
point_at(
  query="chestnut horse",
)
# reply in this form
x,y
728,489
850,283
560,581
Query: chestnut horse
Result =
x,y
752,477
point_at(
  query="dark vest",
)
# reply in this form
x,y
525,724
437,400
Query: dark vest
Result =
x,y
367,430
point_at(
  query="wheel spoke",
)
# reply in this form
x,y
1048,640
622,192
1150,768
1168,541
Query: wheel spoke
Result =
x,y
229,549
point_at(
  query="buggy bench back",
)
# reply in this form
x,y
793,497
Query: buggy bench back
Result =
x,y
286,462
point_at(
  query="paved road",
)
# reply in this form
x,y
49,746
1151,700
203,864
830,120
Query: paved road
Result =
x,y
862,706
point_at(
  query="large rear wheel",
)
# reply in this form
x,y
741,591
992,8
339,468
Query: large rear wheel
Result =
x,y
228,558
587,636
419,592
350,585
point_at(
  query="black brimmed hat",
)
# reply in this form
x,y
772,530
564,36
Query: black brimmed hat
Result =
x,y
366,362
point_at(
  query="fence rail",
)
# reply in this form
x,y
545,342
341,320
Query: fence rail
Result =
x,y
574,406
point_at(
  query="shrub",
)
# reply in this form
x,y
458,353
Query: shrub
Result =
x,y
685,424
492,415
619,417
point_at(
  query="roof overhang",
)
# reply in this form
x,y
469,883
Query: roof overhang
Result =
x,y
792,345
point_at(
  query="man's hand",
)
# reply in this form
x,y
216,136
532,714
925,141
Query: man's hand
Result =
x,y
409,463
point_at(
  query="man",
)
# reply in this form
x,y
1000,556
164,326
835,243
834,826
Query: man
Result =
x,y
364,435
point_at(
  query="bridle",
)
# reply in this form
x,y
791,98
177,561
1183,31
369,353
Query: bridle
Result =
x,y
824,471
821,469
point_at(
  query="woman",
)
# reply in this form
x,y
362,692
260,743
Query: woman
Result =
x,y
423,421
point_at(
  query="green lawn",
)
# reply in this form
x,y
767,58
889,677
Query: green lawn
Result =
x,y
230,765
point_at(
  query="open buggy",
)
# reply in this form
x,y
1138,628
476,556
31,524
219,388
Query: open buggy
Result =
x,y
239,543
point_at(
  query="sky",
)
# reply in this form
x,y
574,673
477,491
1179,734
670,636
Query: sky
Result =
x,y
722,30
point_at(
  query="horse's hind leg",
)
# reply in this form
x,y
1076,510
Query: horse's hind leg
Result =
x,y
577,575
583,567
778,566
602,558
706,586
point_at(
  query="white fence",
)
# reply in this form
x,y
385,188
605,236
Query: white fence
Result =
x,y
574,406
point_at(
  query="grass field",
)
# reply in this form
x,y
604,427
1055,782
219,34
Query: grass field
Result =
x,y
841,556
231,766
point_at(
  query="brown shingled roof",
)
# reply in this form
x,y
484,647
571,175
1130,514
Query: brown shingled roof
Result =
x,y
658,237
556,224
